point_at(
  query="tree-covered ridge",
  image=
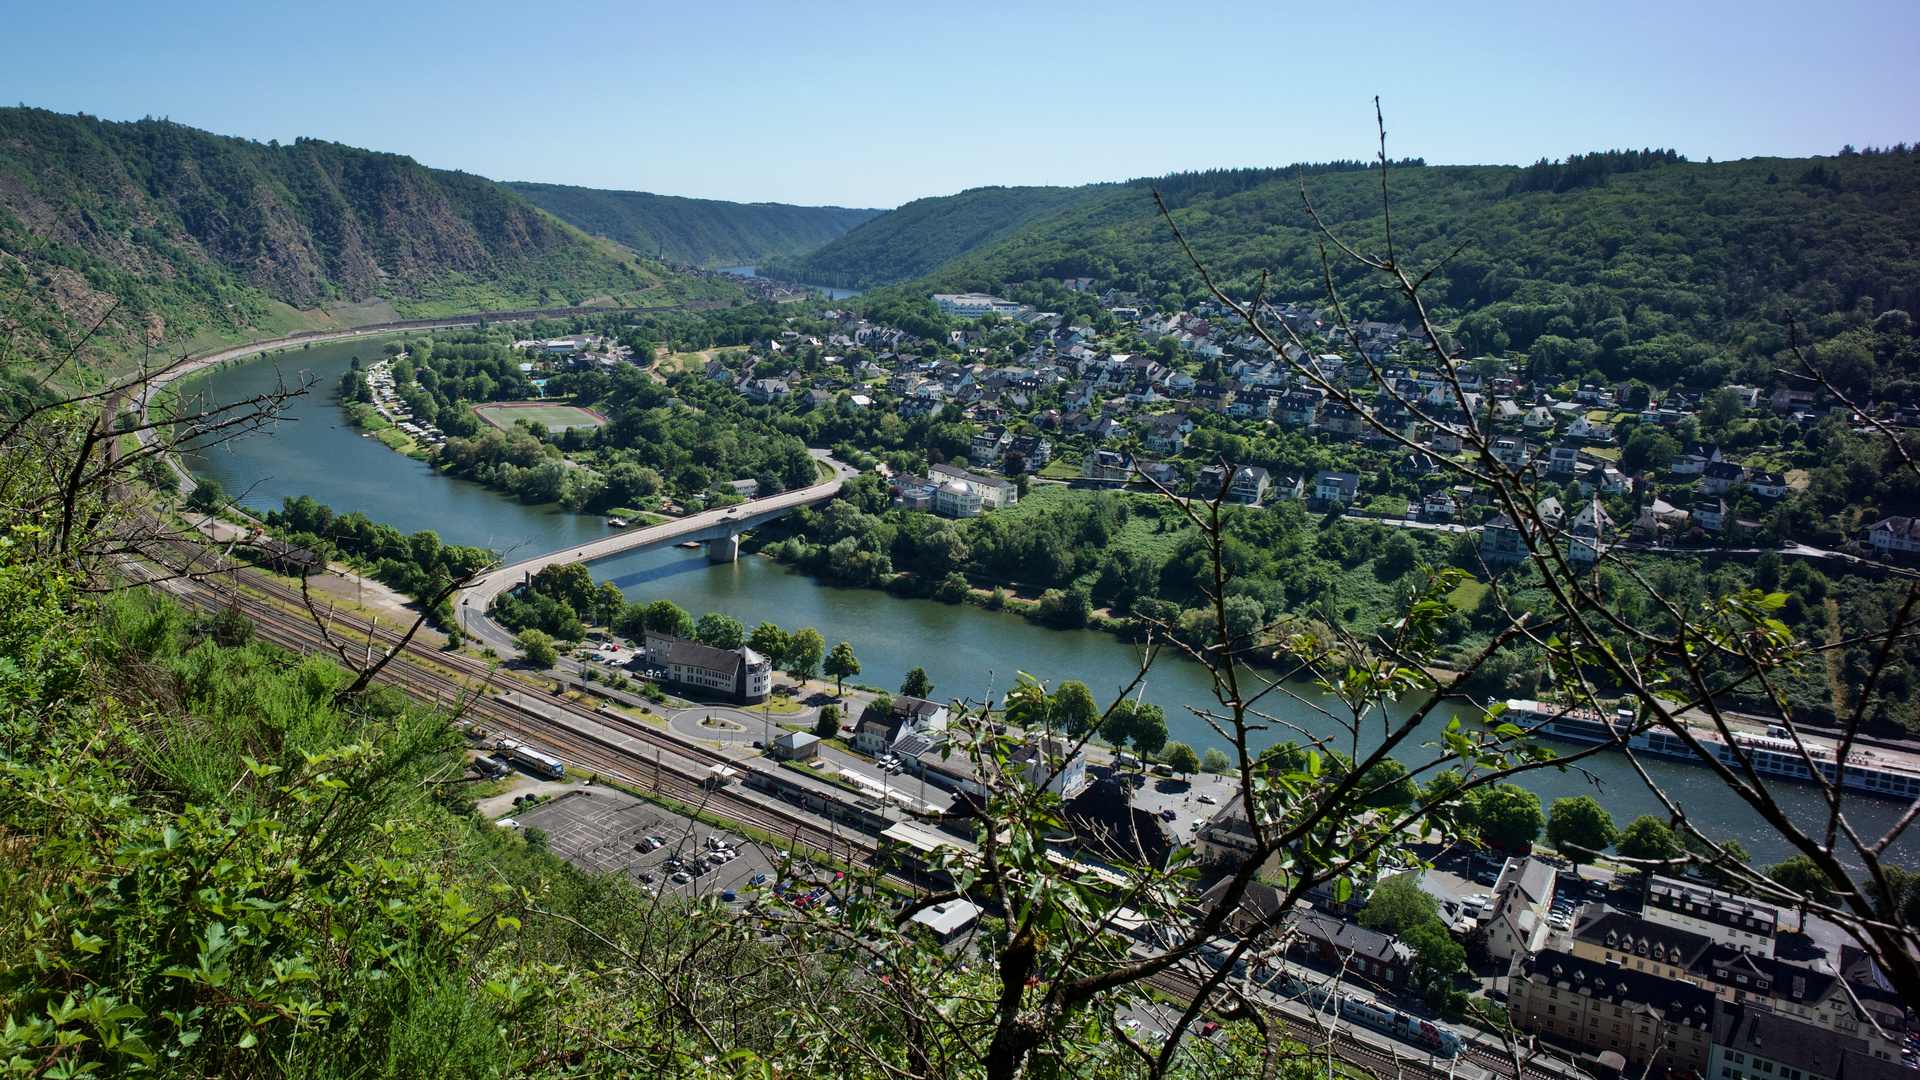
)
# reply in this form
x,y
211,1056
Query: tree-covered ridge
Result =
x,y
704,232
189,231
1678,271
927,234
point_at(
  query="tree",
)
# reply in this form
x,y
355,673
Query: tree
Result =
x,y
1721,408
827,725
720,631
608,603
537,647
1648,449
1647,841
1580,828
1510,815
771,642
1436,956
1181,759
570,583
665,617
1139,723
1398,904
840,664
1215,760
1799,874
805,651
1066,607
1074,710
917,684
207,496
1390,785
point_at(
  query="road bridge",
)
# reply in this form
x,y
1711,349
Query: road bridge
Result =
x,y
719,529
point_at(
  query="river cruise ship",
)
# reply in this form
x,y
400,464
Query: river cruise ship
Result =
x,y
1891,774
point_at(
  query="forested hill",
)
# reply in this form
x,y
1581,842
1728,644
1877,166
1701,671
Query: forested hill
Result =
x,y
183,233
703,232
1636,264
926,234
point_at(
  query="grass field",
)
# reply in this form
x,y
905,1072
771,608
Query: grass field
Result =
x,y
555,417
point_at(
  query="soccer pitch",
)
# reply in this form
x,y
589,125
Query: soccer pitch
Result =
x,y
555,417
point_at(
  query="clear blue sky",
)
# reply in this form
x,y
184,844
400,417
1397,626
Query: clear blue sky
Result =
x,y
878,104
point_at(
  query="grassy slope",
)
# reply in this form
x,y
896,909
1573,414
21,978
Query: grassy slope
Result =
x,y
704,232
173,234
924,235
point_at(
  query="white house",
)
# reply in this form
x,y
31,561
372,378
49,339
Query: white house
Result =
x,y
1331,486
1893,534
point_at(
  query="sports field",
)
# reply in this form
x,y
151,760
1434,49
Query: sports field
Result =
x,y
555,417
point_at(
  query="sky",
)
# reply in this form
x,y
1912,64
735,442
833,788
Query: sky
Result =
x,y
874,105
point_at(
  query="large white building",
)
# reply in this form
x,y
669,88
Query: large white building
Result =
x,y
974,305
704,671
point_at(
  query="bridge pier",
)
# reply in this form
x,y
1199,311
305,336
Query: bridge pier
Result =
x,y
724,549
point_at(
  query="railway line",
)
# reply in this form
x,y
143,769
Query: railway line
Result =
x,y
1384,1061
414,671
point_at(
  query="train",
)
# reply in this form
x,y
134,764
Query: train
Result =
x,y
1404,1026
536,761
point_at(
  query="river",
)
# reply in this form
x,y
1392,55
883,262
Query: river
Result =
x,y
968,652
833,293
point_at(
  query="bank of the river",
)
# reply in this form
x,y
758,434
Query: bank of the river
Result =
x,y
968,651
833,293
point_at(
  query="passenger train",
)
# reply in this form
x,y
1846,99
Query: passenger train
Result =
x,y
535,760
1351,1007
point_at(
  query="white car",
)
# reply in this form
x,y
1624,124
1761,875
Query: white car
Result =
x,y
1208,799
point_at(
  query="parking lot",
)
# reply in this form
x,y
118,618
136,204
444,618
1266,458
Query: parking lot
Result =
x,y
598,828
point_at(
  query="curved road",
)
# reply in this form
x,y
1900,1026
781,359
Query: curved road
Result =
x,y
475,622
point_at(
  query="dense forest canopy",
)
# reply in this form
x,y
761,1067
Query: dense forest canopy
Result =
x,y
1633,264
704,232
926,234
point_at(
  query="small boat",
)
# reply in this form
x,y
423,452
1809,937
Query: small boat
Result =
x,y
689,544
616,523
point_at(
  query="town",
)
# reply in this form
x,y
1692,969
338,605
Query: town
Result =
x,y
1049,400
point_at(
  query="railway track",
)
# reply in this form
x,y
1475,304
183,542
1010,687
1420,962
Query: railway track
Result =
x,y
414,671
1382,1062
